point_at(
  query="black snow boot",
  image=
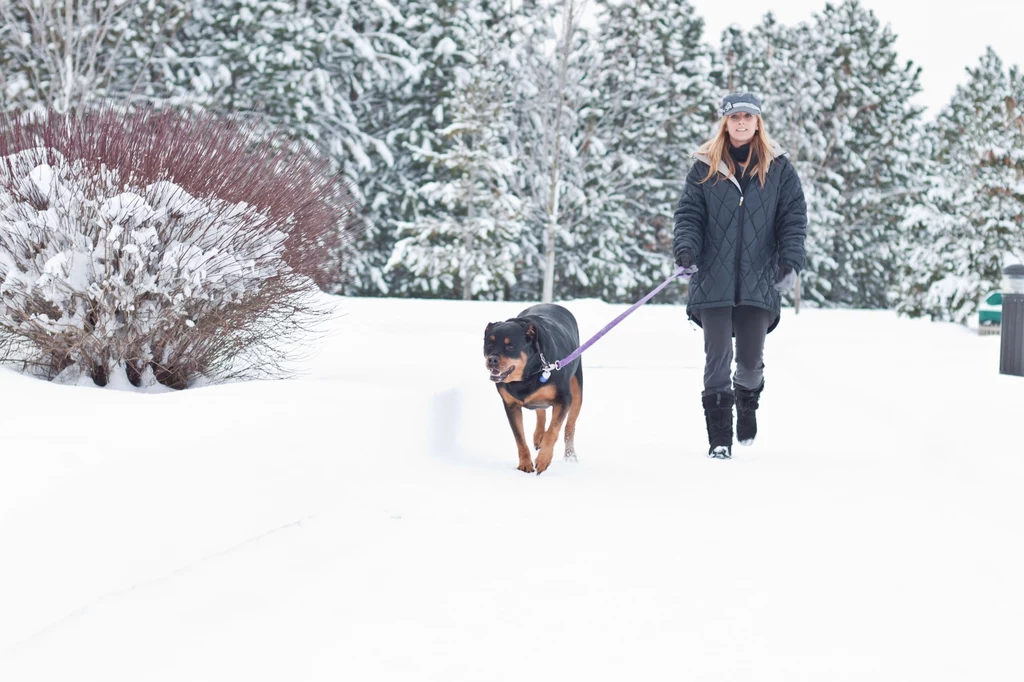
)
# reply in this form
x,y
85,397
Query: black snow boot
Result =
x,y
718,415
746,413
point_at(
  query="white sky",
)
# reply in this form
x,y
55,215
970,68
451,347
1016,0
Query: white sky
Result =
x,y
942,38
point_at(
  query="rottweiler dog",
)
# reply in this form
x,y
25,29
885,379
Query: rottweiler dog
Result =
x,y
515,352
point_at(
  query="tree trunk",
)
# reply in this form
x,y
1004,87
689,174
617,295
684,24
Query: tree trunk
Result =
x,y
551,232
467,234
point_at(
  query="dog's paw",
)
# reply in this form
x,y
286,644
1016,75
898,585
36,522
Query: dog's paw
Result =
x,y
526,467
543,462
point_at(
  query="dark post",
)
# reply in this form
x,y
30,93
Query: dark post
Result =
x,y
1011,326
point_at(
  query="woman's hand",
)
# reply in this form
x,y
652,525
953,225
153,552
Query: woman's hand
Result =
x,y
685,261
786,278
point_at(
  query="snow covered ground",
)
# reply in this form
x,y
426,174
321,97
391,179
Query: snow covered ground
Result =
x,y
366,521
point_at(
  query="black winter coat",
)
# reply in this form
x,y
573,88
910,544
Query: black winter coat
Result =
x,y
738,240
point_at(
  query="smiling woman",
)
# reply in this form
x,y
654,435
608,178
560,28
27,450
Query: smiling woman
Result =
x,y
739,233
741,126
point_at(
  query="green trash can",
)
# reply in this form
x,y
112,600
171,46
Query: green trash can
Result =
x,y
1011,351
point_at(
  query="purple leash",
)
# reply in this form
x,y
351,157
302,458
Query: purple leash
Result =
x,y
559,364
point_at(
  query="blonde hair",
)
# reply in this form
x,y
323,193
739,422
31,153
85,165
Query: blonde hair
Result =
x,y
760,147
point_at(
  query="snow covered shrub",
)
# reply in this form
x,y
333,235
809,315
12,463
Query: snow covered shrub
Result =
x,y
158,246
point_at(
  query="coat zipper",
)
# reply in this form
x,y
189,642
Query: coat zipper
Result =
x,y
739,247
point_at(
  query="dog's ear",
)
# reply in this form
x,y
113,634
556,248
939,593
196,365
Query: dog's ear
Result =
x,y
488,328
531,333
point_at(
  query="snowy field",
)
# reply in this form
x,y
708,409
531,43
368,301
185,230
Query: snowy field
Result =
x,y
365,521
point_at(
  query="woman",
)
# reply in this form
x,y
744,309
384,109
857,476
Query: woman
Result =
x,y
739,232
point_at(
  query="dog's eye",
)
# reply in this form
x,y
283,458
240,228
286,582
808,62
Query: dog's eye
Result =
x,y
508,346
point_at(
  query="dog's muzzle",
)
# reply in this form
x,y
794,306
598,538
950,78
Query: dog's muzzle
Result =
x,y
497,376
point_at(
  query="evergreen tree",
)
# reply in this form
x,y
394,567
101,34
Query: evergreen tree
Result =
x,y
871,132
549,94
650,108
305,67
972,223
465,241
317,69
837,99
412,114
62,55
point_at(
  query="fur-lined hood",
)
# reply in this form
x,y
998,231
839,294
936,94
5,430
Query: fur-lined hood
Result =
x,y
723,167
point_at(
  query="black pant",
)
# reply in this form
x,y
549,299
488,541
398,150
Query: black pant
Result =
x,y
750,326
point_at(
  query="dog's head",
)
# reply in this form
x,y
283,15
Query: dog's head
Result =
x,y
508,346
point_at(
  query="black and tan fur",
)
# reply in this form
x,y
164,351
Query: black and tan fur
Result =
x,y
512,354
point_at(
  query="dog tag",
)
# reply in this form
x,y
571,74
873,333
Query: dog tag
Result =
x,y
544,376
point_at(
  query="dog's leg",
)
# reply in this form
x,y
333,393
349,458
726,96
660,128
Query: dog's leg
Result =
x,y
515,420
538,433
570,423
547,445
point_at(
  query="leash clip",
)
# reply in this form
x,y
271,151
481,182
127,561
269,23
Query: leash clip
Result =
x,y
546,370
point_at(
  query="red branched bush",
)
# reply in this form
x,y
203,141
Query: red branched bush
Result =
x,y
171,247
